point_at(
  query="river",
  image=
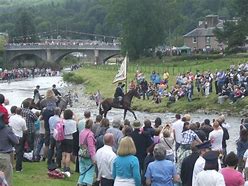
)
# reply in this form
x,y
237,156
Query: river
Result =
x,y
17,91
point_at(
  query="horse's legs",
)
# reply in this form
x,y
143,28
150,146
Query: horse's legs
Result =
x,y
130,110
125,112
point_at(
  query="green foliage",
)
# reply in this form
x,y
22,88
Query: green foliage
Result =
x,y
73,78
142,23
25,27
234,33
2,43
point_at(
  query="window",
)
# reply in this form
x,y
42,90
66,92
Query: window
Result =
x,y
194,39
207,39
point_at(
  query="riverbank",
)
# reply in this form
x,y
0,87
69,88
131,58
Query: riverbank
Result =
x,y
100,78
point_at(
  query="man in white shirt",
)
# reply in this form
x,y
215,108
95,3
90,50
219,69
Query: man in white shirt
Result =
x,y
200,162
177,130
18,124
104,158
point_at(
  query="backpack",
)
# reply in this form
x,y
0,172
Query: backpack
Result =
x,y
58,133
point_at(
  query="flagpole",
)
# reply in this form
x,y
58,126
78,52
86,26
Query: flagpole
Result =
x,y
126,70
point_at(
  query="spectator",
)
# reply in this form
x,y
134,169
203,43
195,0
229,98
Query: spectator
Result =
x,y
53,120
104,159
216,137
3,109
188,163
128,162
117,134
70,127
18,124
30,118
168,142
86,165
211,169
231,176
141,141
242,146
8,140
161,171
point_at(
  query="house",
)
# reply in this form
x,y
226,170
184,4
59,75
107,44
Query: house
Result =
x,y
202,38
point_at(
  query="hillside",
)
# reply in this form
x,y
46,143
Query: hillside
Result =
x,y
94,16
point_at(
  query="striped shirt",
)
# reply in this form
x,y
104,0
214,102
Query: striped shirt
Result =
x,y
30,118
188,137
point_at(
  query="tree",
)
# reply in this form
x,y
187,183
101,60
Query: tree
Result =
x,y
234,33
25,28
142,24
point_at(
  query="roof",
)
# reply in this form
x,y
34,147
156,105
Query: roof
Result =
x,y
200,32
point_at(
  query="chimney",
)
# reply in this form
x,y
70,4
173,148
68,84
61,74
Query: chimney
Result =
x,y
212,20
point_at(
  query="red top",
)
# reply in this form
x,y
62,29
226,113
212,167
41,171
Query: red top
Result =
x,y
232,177
5,114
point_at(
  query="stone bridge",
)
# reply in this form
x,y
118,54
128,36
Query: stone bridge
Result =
x,y
97,53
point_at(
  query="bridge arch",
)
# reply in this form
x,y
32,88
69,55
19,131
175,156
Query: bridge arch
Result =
x,y
19,55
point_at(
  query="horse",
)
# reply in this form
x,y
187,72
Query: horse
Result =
x,y
62,104
108,103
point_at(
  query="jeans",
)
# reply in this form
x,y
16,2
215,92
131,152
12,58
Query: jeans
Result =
x,y
19,148
29,137
39,146
53,144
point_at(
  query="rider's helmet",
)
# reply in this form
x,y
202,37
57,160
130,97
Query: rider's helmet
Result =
x,y
37,86
54,86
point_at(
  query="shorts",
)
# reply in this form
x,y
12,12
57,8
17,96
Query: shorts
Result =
x,y
67,145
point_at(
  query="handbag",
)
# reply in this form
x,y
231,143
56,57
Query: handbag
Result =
x,y
83,150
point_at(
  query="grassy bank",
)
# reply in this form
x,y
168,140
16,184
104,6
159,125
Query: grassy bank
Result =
x,y
36,174
100,77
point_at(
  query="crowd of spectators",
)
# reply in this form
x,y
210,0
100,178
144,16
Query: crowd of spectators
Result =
x,y
125,153
232,84
65,42
20,73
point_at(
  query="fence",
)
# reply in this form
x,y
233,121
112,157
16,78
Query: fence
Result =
x,y
147,69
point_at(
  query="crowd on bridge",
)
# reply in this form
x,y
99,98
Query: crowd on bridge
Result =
x,y
231,84
121,153
65,42
22,73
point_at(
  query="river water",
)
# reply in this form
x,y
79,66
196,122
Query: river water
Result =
x,y
17,91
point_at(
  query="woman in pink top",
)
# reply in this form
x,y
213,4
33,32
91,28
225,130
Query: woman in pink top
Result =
x,y
232,177
87,165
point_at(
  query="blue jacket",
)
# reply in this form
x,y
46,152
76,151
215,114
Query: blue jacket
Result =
x,y
127,167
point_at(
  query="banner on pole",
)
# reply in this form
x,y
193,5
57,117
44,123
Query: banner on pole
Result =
x,y
122,72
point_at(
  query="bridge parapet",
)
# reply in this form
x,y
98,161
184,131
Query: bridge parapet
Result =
x,y
35,46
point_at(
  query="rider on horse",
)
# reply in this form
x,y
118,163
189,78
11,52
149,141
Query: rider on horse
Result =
x,y
55,90
37,96
119,93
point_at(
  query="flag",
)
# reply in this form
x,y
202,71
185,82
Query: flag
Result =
x,y
122,72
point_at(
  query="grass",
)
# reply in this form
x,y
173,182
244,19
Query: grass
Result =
x,y
36,174
101,77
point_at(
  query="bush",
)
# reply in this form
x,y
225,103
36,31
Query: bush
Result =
x,y
73,78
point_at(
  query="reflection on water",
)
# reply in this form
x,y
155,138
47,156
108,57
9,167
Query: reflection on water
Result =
x,y
17,91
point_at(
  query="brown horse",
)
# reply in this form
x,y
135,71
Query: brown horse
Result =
x,y
108,103
62,104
